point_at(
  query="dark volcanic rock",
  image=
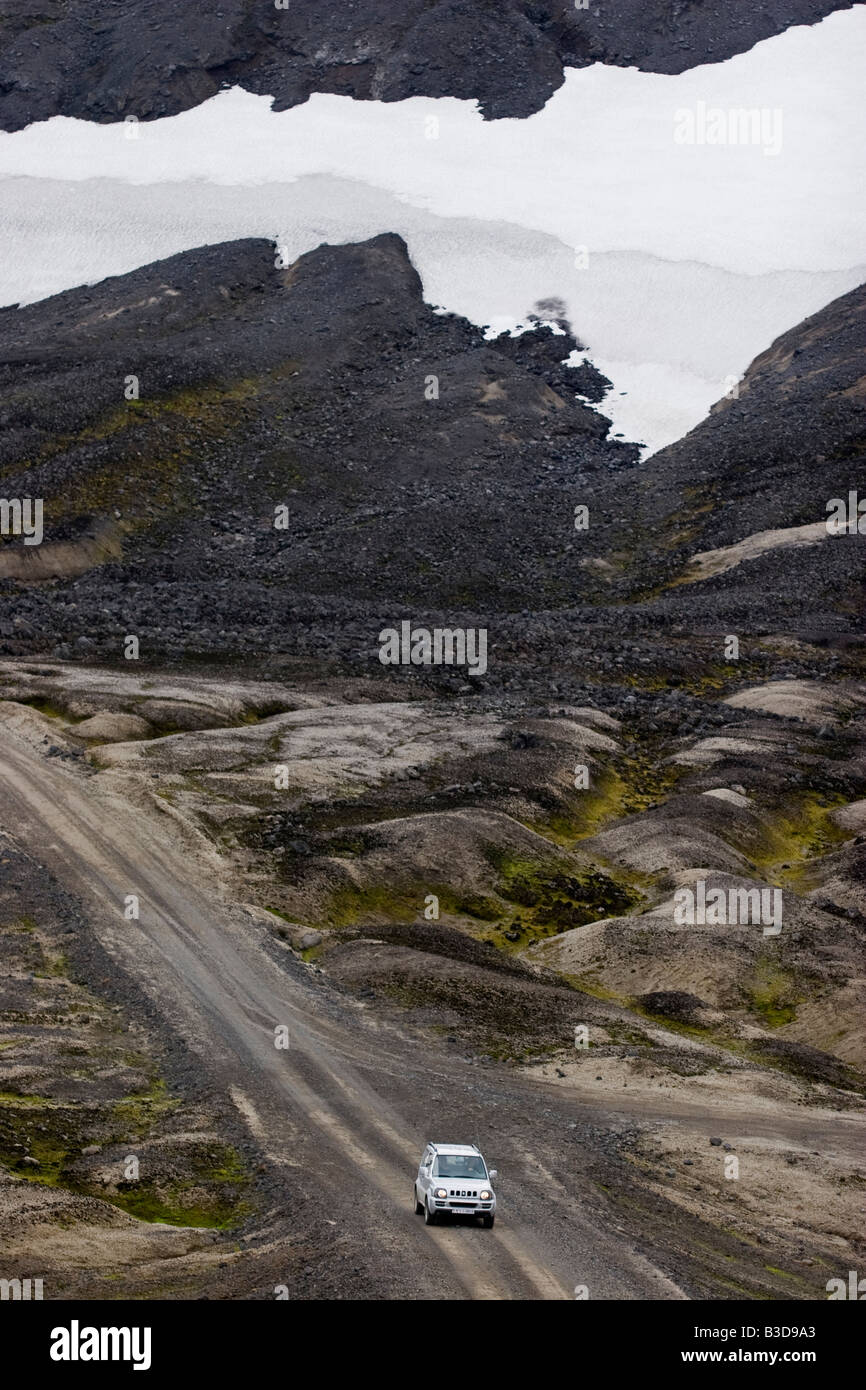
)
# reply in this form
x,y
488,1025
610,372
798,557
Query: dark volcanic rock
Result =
x,y
103,62
789,440
808,1061
672,1003
308,388
772,457
314,388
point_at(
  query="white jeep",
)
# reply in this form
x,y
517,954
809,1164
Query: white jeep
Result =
x,y
454,1178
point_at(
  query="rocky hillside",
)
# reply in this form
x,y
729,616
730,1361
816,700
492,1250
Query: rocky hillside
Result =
x,y
410,455
163,416
155,58
788,438
742,502
166,416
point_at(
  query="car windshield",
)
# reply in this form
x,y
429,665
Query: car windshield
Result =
x,y
461,1166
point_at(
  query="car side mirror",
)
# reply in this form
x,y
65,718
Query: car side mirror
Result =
x,y
494,1174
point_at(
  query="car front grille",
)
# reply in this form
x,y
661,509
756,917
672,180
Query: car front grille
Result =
x,y
463,1199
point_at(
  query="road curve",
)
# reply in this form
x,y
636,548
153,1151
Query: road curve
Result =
x,y
330,1105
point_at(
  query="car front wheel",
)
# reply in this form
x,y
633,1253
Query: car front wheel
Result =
x,y
487,1220
429,1216
419,1206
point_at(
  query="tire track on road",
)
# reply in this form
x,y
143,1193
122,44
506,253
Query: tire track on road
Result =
x,y
198,963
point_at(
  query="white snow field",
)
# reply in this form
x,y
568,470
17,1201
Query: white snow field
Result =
x,y
681,235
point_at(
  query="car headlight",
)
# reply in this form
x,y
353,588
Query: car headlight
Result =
x,y
440,1192
485,1196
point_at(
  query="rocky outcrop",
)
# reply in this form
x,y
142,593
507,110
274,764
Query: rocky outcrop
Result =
x,y
271,441
742,503
155,58
291,458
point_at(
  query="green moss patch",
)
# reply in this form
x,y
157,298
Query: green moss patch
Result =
x,y
350,904
640,780
54,1133
772,994
36,1127
27,1102
554,899
798,835
212,1195
139,1112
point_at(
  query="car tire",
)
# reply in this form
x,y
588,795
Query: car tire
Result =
x,y
429,1216
487,1221
419,1206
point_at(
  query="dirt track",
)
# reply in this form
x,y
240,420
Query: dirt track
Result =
x,y
344,1103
